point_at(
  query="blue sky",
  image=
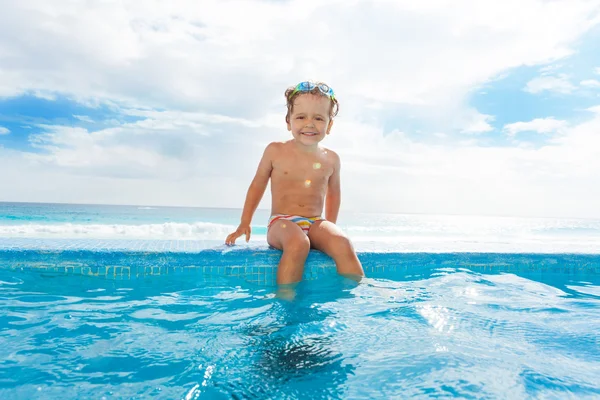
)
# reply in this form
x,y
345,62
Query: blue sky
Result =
x,y
445,108
509,101
24,115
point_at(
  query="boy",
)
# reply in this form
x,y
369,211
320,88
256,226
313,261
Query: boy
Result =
x,y
305,178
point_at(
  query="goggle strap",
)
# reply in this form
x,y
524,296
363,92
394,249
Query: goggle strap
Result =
x,y
308,86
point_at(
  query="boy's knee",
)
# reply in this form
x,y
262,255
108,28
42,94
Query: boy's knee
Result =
x,y
343,245
298,245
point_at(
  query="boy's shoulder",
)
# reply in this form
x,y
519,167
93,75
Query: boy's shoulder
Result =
x,y
275,147
327,150
330,154
274,150
276,144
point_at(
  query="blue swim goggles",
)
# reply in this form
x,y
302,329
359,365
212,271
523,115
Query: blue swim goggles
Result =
x,y
308,86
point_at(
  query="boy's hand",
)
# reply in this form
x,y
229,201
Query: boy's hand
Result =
x,y
243,229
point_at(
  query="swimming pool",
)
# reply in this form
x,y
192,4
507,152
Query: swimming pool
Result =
x,y
141,322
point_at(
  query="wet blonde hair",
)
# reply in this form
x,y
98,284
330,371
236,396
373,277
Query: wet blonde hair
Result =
x,y
290,96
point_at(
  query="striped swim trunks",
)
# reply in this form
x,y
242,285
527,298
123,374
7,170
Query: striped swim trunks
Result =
x,y
303,222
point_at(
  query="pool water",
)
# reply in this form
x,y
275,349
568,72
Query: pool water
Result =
x,y
436,327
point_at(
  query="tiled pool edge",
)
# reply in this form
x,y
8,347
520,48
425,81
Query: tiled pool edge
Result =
x,y
258,243
259,265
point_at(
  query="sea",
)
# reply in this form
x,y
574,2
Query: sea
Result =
x,y
381,232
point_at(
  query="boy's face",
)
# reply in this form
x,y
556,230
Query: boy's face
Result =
x,y
309,120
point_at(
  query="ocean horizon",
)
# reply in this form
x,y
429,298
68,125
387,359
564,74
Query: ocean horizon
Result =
x,y
262,209
370,231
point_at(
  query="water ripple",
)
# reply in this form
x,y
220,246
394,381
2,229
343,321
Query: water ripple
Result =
x,y
449,333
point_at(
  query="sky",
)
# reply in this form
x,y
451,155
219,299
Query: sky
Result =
x,y
474,107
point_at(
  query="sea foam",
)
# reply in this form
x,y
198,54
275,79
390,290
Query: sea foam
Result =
x,y
168,230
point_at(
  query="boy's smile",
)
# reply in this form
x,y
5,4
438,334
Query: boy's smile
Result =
x,y
309,120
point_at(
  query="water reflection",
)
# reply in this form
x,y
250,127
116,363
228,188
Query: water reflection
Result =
x,y
295,347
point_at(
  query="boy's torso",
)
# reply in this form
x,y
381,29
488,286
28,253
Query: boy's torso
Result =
x,y
299,180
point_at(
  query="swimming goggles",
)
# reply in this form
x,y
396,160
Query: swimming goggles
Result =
x,y
308,86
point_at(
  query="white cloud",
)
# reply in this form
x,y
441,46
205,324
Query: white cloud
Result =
x,y
44,94
548,69
4,131
559,83
189,55
592,83
598,70
554,179
479,123
539,125
162,145
130,166
220,83
83,118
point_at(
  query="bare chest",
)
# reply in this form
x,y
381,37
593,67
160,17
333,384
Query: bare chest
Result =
x,y
302,171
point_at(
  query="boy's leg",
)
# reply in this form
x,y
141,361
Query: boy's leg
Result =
x,y
328,238
289,237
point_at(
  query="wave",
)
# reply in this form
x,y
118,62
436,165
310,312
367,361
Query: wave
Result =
x,y
168,230
388,239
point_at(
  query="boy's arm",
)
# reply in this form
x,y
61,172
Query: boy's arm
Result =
x,y
259,184
334,195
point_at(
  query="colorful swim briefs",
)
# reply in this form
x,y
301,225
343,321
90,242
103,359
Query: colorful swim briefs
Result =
x,y
303,222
